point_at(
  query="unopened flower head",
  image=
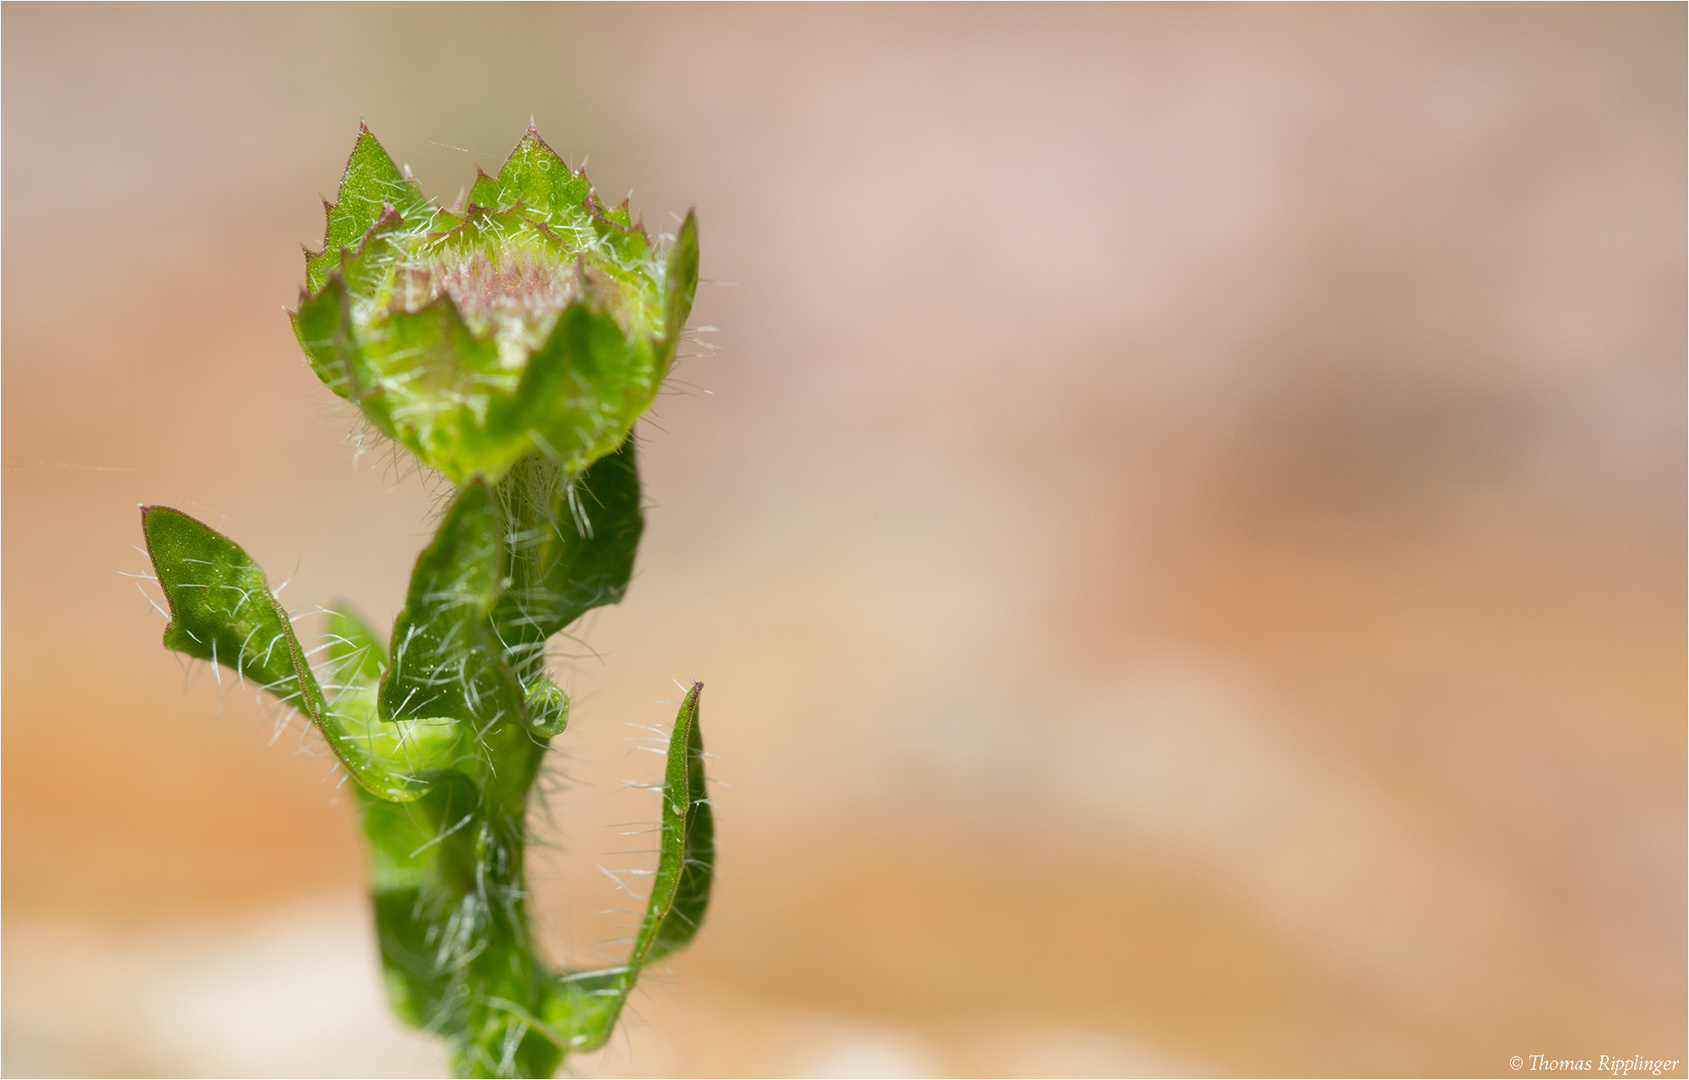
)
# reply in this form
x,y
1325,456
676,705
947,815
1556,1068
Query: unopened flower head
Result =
x,y
529,320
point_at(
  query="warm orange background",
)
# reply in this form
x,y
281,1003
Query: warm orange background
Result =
x,y
1182,529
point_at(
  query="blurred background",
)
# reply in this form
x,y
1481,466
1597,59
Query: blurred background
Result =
x,y
1181,522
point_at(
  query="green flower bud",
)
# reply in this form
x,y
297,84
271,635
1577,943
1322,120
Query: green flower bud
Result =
x,y
528,320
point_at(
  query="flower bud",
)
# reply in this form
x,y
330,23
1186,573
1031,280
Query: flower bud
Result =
x,y
531,319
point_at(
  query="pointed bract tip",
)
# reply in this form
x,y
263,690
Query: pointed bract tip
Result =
x,y
533,136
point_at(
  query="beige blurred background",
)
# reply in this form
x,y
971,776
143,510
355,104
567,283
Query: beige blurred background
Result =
x,y
1182,528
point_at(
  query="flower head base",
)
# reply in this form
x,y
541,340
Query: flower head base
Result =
x,y
528,320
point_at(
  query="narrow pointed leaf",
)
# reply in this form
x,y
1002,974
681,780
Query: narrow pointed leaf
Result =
x,y
680,280
583,1007
680,893
222,610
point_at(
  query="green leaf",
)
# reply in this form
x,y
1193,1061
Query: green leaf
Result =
x,y
583,389
680,280
583,1006
680,893
616,229
446,392
370,184
447,663
322,324
222,610
367,266
571,547
534,176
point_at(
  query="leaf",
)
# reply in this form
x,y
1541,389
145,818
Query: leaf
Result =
x,y
616,230
583,1006
680,281
444,388
447,663
571,547
367,265
539,181
534,176
222,610
583,389
370,184
680,893
322,323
